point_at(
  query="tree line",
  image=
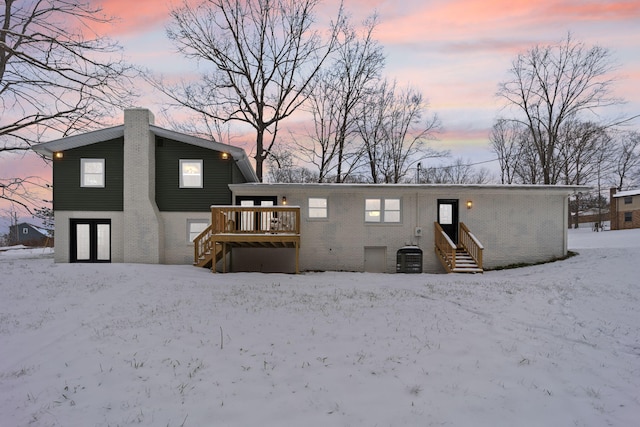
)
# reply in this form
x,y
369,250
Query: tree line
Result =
x,y
270,62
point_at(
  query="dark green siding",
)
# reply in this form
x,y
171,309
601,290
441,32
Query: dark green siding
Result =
x,y
217,175
67,193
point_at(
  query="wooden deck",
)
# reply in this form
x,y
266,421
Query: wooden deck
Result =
x,y
247,227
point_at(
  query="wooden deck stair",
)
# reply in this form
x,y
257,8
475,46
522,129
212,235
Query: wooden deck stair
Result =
x,y
465,263
206,259
466,257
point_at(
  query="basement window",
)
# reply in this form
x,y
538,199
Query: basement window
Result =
x,y
91,172
190,173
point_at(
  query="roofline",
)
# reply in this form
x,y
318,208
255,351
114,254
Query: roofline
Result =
x,y
627,193
238,154
47,149
560,188
80,140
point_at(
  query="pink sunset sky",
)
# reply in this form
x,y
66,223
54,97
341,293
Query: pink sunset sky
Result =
x,y
455,51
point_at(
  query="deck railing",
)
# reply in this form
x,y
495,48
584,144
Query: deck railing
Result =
x,y
202,245
445,248
471,244
246,223
255,219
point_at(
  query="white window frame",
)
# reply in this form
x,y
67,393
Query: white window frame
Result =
x,y
184,162
318,207
193,233
380,210
25,230
84,175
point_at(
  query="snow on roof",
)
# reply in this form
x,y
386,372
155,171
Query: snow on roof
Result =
x,y
628,193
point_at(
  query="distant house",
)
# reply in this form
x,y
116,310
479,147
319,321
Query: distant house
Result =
x,y
141,193
29,235
624,208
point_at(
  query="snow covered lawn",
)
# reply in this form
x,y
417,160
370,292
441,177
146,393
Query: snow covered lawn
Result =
x,y
122,344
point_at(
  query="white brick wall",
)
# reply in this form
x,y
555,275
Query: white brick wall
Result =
x,y
514,224
177,248
62,243
144,239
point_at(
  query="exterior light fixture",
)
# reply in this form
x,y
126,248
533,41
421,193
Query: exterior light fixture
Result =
x,y
469,204
58,155
284,200
224,156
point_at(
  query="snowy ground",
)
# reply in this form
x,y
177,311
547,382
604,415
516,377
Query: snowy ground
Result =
x,y
118,345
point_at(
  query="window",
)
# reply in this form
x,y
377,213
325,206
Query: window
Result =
x,y
628,216
628,200
195,227
382,210
91,172
317,207
190,173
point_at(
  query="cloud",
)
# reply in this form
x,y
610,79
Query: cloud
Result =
x,y
595,11
136,16
495,24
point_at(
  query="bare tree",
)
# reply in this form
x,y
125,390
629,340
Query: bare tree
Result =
x,y
584,157
333,103
56,77
395,129
281,167
460,171
584,154
506,141
52,77
626,161
263,56
553,84
24,193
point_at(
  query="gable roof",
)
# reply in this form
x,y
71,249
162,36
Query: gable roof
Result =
x,y
38,229
75,141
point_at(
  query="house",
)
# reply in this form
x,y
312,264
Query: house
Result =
x,y
29,235
365,227
624,208
141,193
137,192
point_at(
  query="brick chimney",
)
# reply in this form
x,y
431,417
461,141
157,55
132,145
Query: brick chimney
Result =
x,y
143,231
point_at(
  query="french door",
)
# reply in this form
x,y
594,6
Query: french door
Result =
x,y
256,222
90,240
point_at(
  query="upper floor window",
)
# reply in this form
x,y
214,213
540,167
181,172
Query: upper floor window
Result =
x,y
190,173
318,207
628,200
382,210
91,172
